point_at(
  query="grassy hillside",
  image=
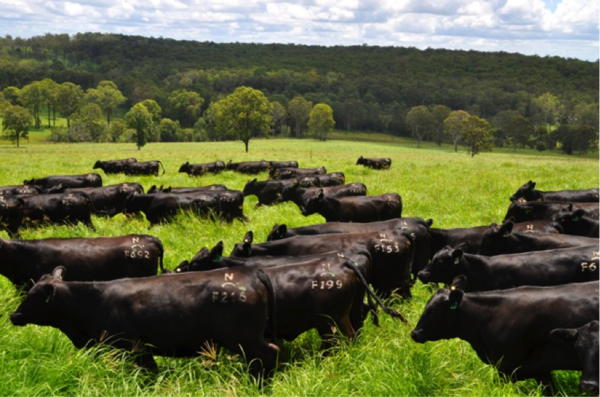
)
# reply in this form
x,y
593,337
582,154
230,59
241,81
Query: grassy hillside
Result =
x,y
451,188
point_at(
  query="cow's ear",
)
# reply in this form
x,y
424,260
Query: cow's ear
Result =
x,y
459,282
320,195
182,265
457,291
59,272
217,252
282,231
531,185
429,222
457,255
253,181
506,228
249,237
577,215
564,335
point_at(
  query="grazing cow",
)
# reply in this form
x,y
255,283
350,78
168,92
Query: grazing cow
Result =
x,y
20,189
201,169
527,192
62,208
291,173
67,181
113,166
354,208
333,179
584,340
308,181
378,164
160,207
249,167
315,291
11,214
391,253
86,259
106,200
268,192
143,168
510,329
175,315
575,222
485,273
283,164
501,240
416,226
526,211
473,235
182,190
300,196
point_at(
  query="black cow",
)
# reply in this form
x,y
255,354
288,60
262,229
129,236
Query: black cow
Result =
x,y
473,235
391,253
113,166
291,173
67,181
575,222
106,200
143,168
160,207
308,181
354,208
417,227
375,163
500,240
527,192
333,179
11,214
87,259
268,192
15,190
61,208
175,315
182,190
201,169
300,196
526,211
249,167
542,268
315,291
584,340
510,329
283,164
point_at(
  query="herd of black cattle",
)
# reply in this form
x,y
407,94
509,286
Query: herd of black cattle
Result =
x,y
524,294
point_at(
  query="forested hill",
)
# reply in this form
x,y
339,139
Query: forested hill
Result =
x,y
367,86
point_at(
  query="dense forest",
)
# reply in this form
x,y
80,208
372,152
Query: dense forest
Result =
x,y
369,88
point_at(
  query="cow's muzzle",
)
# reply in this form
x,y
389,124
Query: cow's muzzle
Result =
x,y
17,319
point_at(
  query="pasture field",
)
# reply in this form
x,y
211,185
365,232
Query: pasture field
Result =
x,y
453,189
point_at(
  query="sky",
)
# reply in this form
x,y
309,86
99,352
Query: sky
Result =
x,y
565,28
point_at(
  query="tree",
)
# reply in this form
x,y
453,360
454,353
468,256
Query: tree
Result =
x,y
32,96
50,95
476,134
547,108
585,139
299,108
108,96
279,114
140,119
68,100
117,129
519,129
320,121
12,95
186,106
169,130
244,114
420,121
453,126
88,125
17,120
439,114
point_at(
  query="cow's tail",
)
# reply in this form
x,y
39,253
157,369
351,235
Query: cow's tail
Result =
x,y
96,210
161,253
361,277
163,167
262,276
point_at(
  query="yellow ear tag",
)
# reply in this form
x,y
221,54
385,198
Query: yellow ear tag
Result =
x,y
178,270
453,288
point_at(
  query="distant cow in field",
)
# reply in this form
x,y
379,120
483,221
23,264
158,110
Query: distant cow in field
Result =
x,y
67,181
249,167
174,315
283,164
301,196
526,211
143,168
61,208
375,163
87,259
333,179
182,190
113,166
354,208
291,173
201,169
527,192
268,192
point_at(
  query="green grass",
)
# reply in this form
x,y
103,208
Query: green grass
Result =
x,y
453,189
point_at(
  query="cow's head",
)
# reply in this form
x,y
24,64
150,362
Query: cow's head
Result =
x,y
244,249
186,167
39,306
440,319
585,342
446,264
206,259
312,203
277,233
250,187
519,211
98,164
29,182
360,160
495,239
567,220
525,192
